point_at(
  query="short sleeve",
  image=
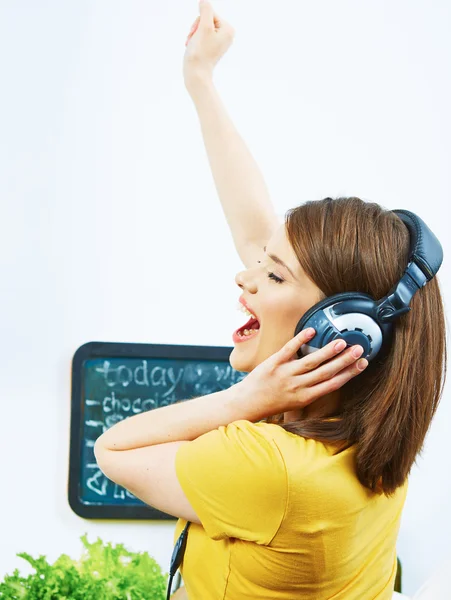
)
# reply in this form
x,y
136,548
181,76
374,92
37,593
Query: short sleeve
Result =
x,y
236,481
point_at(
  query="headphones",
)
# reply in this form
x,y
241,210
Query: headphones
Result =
x,y
358,318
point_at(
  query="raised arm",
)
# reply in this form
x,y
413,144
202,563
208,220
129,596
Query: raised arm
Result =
x,y
240,185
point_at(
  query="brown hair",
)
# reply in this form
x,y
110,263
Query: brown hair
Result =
x,y
345,245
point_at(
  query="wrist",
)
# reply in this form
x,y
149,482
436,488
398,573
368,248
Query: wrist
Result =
x,y
243,405
198,82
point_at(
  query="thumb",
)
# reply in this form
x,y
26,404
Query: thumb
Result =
x,y
206,14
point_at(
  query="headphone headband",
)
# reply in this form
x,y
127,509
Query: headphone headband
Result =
x,y
425,249
360,319
425,259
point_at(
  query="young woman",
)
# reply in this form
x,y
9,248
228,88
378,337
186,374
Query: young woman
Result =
x,y
294,479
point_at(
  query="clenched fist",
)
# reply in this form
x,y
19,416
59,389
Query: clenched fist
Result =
x,y
208,40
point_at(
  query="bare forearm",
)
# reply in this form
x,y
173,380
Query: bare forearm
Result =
x,y
239,182
182,421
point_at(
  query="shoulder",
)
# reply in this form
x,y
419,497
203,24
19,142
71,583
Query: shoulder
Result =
x,y
295,445
242,443
272,442
227,472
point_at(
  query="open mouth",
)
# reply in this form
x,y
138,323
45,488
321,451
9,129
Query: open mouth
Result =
x,y
250,328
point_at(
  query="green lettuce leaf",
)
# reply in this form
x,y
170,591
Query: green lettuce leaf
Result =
x,y
104,572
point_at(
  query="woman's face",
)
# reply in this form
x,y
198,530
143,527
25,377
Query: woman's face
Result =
x,y
278,305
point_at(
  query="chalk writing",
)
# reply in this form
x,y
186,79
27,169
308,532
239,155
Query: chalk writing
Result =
x,y
117,388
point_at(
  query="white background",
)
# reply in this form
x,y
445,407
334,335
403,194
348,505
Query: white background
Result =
x,y
111,228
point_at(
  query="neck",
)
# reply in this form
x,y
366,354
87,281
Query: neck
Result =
x,y
322,407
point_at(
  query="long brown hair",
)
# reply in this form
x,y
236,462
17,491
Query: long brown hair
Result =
x,y
344,245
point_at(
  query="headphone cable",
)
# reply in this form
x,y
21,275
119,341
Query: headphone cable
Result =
x,y
177,556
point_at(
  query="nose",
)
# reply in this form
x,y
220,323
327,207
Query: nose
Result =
x,y
246,280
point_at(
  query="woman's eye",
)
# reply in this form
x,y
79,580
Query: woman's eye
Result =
x,y
275,278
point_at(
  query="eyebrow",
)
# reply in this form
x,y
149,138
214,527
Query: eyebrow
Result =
x,y
279,261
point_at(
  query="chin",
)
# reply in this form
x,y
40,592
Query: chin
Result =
x,y
240,362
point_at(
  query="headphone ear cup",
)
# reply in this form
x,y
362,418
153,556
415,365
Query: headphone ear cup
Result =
x,y
302,324
327,330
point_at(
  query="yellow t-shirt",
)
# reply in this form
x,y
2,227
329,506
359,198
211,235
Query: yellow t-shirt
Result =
x,y
283,517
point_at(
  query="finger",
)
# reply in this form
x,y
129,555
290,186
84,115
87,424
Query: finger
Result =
x,y
206,15
292,346
190,35
217,25
192,30
315,359
330,385
194,24
324,372
194,27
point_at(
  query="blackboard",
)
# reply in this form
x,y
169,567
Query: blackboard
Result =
x,y
111,381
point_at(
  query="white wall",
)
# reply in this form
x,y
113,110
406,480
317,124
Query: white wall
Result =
x,y
111,228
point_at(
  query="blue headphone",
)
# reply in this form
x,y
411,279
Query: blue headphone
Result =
x,y
358,318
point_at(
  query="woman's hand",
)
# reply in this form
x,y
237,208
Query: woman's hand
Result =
x,y
283,382
209,39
